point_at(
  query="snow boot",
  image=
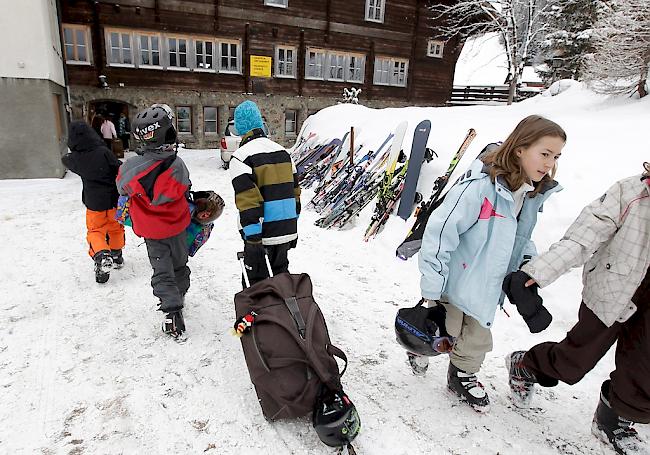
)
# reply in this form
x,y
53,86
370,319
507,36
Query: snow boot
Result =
x,y
419,363
174,324
521,380
103,265
467,388
614,430
118,260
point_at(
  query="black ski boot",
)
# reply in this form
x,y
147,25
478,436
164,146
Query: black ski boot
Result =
x,y
103,265
614,430
174,324
419,363
118,260
521,380
467,388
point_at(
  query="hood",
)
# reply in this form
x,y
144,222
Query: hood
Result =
x,y
159,153
82,138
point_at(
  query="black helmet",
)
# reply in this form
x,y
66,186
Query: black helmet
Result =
x,y
422,330
155,126
335,418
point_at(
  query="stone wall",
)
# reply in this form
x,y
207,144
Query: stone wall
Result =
x,y
273,107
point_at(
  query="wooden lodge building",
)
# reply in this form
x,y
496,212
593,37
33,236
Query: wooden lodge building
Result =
x,y
292,57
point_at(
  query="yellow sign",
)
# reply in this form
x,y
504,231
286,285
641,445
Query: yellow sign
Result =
x,y
260,66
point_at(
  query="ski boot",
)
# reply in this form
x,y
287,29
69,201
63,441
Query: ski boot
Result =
x,y
103,265
118,260
467,388
419,363
614,430
521,380
174,324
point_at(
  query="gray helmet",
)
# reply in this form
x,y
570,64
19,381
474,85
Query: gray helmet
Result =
x,y
154,126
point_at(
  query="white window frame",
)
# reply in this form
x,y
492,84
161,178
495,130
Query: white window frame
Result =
x,y
340,60
435,48
215,121
204,54
320,61
288,121
239,52
178,118
178,53
375,8
391,71
73,28
150,50
350,69
283,61
277,3
109,48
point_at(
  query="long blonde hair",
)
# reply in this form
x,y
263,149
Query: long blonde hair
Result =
x,y
504,160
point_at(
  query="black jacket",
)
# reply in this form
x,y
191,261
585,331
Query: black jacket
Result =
x,y
95,164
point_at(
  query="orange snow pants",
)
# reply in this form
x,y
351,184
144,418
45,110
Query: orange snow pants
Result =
x,y
104,232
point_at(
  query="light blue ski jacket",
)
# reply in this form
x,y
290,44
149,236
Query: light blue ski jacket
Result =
x,y
474,239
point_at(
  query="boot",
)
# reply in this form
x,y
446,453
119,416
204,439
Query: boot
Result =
x,y
118,260
467,388
521,380
174,324
419,363
614,430
103,265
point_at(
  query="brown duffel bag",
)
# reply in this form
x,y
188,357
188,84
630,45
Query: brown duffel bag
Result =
x,y
286,345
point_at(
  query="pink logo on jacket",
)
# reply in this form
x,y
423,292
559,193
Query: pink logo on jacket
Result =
x,y
487,211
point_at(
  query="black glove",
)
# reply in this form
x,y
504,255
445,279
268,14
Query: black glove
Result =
x,y
528,302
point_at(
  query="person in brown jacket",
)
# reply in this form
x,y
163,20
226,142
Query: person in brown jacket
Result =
x,y
611,237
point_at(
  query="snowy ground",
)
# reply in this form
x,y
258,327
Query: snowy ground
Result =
x,y
86,370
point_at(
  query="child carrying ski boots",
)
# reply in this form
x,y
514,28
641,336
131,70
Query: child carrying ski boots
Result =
x,y
480,233
611,238
97,167
157,183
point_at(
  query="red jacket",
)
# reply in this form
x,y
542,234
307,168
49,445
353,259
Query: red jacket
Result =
x,y
157,184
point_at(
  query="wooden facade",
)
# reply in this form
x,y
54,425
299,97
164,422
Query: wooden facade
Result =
x,y
333,26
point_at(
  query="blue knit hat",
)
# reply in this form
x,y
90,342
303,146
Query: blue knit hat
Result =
x,y
247,117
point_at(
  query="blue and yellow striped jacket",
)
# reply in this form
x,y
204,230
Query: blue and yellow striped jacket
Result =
x,y
267,193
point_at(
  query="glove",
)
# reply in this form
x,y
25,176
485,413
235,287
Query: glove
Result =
x,y
529,303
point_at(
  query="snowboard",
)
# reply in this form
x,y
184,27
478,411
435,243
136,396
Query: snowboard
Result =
x,y
418,149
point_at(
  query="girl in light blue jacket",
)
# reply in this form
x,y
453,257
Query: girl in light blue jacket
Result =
x,y
481,232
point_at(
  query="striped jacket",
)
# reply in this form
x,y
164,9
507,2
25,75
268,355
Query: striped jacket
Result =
x,y
267,194
611,237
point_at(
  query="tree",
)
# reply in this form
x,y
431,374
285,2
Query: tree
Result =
x,y
567,45
520,24
622,48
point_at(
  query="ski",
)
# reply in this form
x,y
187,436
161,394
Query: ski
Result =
x,y
413,241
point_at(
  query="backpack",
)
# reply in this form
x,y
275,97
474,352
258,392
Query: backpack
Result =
x,y
286,345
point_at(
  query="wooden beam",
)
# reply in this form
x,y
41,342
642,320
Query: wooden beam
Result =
x,y
301,62
414,41
328,17
247,57
216,16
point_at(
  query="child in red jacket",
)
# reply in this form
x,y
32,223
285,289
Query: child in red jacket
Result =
x,y
157,183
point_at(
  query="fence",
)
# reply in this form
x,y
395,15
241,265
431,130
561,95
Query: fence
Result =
x,y
487,94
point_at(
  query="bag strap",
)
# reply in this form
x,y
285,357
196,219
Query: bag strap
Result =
x,y
292,306
336,352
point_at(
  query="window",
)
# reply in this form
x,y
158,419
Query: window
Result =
x,y
149,50
278,3
229,58
285,61
389,71
177,52
334,66
375,10
315,61
231,113
209,120
204,54
435,48
184,119
290,120
119,48
76,43
355,68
